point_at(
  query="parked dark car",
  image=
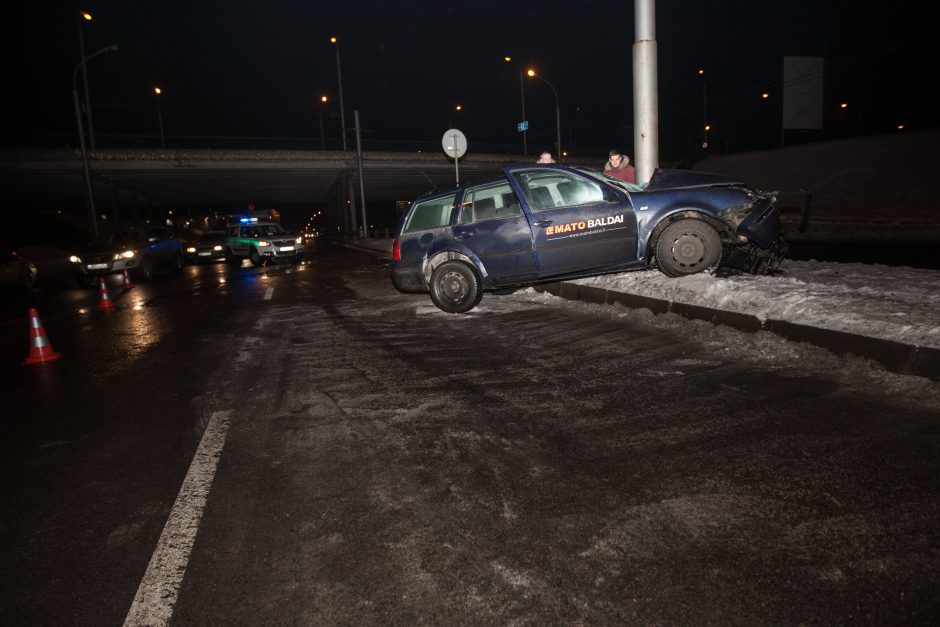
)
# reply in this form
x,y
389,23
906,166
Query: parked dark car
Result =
x,y
541,223
16,269
139,250
210,246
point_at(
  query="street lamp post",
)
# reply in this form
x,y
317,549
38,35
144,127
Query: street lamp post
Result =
x,y
339,76
323,101
557,110
705,125
159,92
89,194
81,47
525,147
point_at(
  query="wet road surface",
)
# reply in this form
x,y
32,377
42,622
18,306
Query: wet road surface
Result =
x,y
307,446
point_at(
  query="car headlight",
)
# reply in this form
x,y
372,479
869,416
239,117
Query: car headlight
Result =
x,y
216,248
263,243
191,249
299,240
127,254
75,259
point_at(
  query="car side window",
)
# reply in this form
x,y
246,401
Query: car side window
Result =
x,y
430,214
550,189
493,202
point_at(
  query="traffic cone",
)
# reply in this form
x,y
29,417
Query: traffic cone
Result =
x,y
40,350
105,304
127,280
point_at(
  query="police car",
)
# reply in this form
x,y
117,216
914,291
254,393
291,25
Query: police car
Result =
x,y
260,241
540,223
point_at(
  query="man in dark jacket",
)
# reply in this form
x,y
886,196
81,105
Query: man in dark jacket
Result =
x,y
618,166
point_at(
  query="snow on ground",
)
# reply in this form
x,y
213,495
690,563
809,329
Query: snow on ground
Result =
x,y
892,303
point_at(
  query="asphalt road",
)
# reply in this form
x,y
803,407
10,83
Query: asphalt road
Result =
x,y
307,446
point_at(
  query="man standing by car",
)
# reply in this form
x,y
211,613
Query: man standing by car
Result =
x,y
618,166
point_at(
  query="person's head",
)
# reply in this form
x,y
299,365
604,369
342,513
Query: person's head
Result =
x,y
618,160
545,157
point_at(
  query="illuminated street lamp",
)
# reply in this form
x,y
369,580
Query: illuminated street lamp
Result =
x,y
532,74
86,17
525,147
323,101
81,137
339,75
159,92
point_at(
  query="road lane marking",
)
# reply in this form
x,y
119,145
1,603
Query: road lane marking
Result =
x,y
269,293
159,588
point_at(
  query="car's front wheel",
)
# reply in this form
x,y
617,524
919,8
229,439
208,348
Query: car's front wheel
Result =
x,y
455,287
255,257
686,247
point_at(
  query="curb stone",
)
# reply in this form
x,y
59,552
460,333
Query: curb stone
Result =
x,y
894,356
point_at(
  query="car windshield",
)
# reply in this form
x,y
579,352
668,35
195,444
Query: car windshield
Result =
x,y
266,230
630,187
215,236
120,238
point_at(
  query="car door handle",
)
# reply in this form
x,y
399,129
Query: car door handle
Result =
x,y
463,234
541,223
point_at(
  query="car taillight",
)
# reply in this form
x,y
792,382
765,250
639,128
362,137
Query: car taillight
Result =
x,y
396,250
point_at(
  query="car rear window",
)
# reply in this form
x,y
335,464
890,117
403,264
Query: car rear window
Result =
x,y
430,214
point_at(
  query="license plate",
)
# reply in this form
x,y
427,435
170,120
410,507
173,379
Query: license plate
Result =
x,y
285,249
97,266
205,254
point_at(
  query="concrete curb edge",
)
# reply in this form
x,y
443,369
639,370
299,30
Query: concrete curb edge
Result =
x,y
894,356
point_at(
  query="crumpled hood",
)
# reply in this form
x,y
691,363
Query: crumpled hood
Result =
x,y
672,179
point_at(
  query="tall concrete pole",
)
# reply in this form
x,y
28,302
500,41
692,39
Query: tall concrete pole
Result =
x,y
645,91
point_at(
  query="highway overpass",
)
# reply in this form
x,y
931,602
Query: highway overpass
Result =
x,y
136,182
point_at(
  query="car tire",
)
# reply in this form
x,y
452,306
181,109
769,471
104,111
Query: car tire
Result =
x,y
455,287
686,247
144,270
255,258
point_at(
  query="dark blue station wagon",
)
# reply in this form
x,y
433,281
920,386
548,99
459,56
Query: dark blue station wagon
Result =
x,y
541,223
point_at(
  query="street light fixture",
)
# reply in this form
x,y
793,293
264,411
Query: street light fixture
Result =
x,y
525,146
323,101
339,76
81,137
159,92
532,74
86,17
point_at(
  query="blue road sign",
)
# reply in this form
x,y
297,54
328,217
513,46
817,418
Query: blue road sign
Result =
x,y
523,126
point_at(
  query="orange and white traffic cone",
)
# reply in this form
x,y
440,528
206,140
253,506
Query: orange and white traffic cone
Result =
x,y
105,304
127,280
40,350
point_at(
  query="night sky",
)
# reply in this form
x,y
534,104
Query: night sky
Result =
x,y
239,69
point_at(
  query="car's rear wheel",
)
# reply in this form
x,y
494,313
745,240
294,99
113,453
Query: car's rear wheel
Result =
x,y
686,247
455,287
144,270
255,257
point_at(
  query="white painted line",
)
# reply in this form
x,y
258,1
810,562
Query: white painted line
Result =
x,y
269,293
159,588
